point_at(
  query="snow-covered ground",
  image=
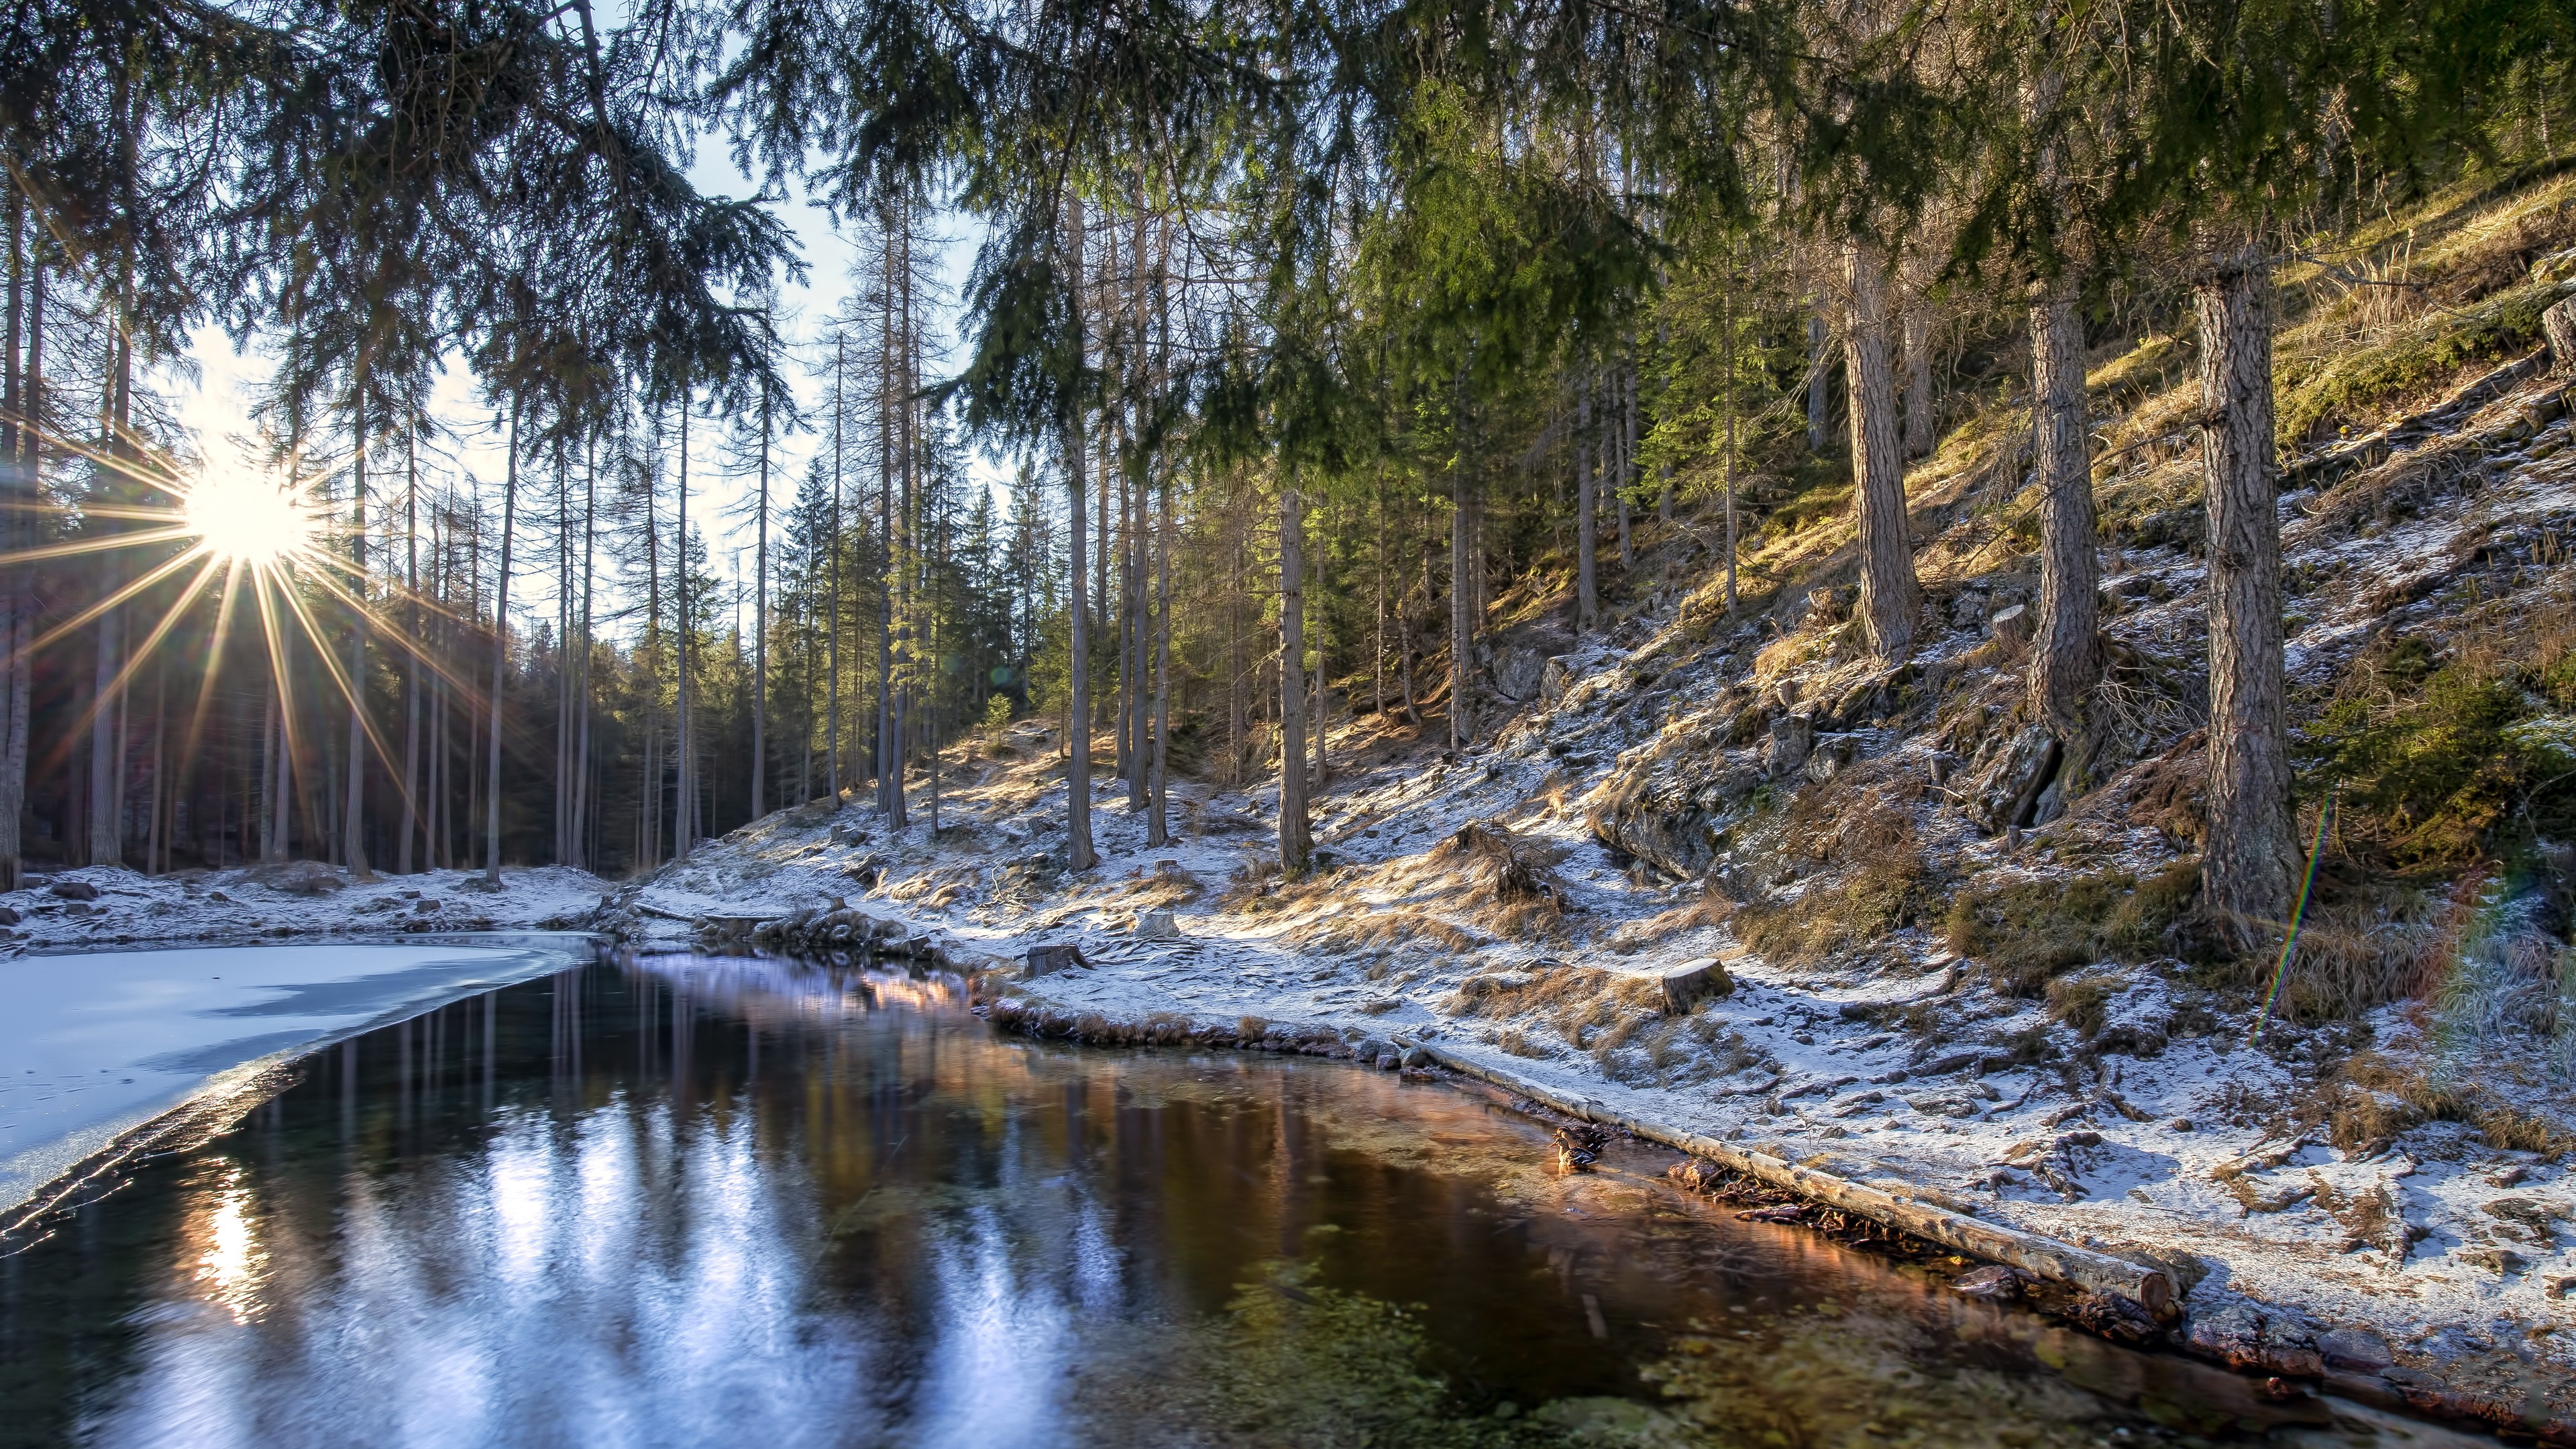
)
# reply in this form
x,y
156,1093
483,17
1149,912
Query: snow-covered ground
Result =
x,y
96,906
96,1045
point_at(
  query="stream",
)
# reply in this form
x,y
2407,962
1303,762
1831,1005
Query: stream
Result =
x,y
695,1200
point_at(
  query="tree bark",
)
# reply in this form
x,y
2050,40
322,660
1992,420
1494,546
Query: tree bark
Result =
x,y
353,821
1819,371
684,823
2067,652
501,659
1158,830
17,485
1889,594
1918,379
2248,858
1296,843
760,632
1462,619
1077,716
412,819
1587,520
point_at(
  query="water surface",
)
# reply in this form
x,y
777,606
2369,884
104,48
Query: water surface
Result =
x,y
699,1201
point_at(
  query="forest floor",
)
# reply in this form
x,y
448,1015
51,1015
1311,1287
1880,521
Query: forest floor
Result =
x,y
1951,972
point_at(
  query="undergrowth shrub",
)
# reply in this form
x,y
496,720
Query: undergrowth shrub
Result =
x,y
2029,932
2440,761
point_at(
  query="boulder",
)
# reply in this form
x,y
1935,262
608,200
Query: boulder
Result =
x,y
2008,792
72,890
1692,982
1793,738
1519,674
1832,754
2558,324
1047,960
1554,679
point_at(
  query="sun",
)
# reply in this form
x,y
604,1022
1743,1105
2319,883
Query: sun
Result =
x,y
248,517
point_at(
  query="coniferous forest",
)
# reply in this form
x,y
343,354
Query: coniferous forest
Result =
x,y
1302,333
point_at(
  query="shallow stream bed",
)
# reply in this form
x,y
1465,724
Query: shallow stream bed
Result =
x,y
727,1201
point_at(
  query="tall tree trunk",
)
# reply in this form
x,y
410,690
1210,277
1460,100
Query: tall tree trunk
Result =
x,y
411,813
106,845
1627,383
1462,609
1726,366
353,822
581,791
1587,513
500,658
2248,858
1819,371
275,765
760,632
1917,322
1158,830
17,488
684,825
1296,840
1077,717
1889,594
2067,652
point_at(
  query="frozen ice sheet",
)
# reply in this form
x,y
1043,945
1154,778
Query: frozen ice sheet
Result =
x,y
94,1045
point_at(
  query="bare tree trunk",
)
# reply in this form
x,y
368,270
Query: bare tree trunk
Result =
x,y
1625,383
2067,653
1889,594
581,792
353,820
411,786
760,632
17,486
1819,405
1462,605
1587,513
500,659
684,821
2248,858
1296,841
106,740
1077,778
275,765
1158,830
1918,379
1726,365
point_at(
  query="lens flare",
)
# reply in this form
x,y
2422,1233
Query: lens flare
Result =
x,y
247,518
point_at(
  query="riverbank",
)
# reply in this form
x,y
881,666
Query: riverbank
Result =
x,y
2161,1136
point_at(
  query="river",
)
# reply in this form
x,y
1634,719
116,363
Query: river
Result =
x,y
730,1201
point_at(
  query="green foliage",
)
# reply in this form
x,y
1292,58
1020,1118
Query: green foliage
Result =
x,y
2026,933
2436,344
2450,755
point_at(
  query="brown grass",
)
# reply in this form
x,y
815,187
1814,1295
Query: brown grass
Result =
x,y
2373,1099
1885,883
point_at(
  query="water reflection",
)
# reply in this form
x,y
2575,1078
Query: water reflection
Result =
x,y
704,1201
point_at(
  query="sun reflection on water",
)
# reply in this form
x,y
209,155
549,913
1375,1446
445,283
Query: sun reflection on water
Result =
x,y
230,1262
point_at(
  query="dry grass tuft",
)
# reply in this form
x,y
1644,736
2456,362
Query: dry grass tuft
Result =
x,y
1885,885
